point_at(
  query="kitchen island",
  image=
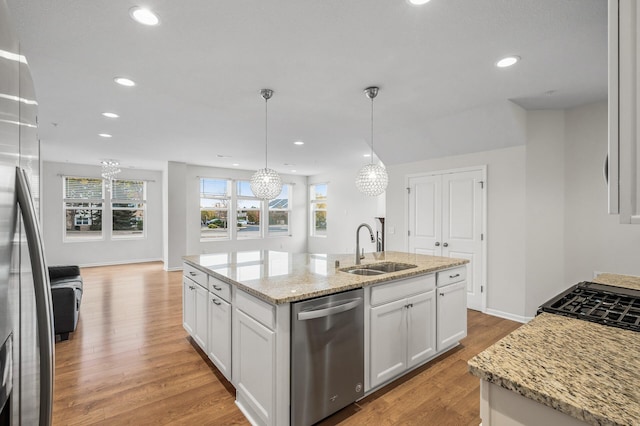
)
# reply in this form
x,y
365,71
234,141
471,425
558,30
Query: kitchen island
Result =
x,y
562,371
237,308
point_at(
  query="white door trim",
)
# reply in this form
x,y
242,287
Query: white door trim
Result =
x,y
483,169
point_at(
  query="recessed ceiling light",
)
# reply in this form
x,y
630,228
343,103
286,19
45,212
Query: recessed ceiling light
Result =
x,y
366,155
419,2
293,171
110,114
236,164
298,143
144,16
104,135
124,81
507,62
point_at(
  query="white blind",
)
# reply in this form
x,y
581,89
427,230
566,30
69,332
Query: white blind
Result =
x,y
130,190
82,188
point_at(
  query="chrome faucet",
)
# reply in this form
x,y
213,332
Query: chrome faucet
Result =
x,y
373,240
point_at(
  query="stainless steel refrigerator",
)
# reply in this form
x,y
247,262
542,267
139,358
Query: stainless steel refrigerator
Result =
x,y
26,320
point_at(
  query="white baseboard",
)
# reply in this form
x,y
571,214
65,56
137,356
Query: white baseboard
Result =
x,y
118,262
175,268
507,315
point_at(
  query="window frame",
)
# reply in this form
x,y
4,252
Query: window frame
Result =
x,y
260,209
313,209
142,201
288,210
228,197
88,200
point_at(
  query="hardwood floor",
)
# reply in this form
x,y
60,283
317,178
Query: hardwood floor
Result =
x,y
131,362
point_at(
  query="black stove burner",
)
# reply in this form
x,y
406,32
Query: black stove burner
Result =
x,y
603,304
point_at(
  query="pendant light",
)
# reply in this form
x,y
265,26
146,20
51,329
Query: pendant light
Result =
x,y
266,183
372,179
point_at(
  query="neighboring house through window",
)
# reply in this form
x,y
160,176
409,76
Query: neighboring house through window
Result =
x,y
215,200
318,209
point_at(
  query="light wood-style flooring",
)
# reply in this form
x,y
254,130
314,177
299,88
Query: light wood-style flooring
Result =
x,y
131,362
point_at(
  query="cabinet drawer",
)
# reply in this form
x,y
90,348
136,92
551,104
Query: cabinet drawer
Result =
x,y
195,274
451,276
220,288
259,310
397,290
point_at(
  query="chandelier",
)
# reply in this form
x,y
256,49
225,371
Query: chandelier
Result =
x,y
266,183
110,168
372,179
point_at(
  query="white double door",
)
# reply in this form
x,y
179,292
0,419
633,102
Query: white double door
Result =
x,y
446,219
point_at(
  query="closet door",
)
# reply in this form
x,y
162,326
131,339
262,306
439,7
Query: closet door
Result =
x,y
425,215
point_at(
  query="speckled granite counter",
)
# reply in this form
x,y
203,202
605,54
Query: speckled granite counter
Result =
x,y
280,277
586,370
626,281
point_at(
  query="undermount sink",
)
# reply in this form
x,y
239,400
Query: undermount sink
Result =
x,y
378,268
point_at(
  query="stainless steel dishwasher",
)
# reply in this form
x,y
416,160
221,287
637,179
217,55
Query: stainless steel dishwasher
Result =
x,y
327,355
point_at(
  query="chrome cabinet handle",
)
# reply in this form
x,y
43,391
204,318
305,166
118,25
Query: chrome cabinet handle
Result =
x,y
437,244
325,312
193,274
216,302
217,288
454,276
192,287
441,294
445,245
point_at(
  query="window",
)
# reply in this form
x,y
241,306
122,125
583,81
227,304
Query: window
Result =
x,y
318,208
248,212
279,213
128,205
215,199
83,205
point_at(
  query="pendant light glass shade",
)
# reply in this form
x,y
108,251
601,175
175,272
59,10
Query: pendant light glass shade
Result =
x,y
372,179
266,183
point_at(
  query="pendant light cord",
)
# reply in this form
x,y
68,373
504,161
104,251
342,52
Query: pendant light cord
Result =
x,y
371,130
266,141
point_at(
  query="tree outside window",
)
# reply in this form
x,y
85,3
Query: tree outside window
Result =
x,y
318,208
215,199
83,208
128,205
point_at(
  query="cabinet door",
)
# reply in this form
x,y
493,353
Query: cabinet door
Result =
x,y
220,334
452,314
254,368
388,356
188,305
421,319
201,302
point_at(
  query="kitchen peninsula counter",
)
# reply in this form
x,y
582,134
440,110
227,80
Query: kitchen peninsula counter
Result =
x,y
280,277
585,370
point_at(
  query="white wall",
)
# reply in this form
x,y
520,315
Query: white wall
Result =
x,y
595,241
545,192
184,225
101,252
175,216
346,209
505,224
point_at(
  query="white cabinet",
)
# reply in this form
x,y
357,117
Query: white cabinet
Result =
x,y
452,311
219,337
624,110
194,311
402,331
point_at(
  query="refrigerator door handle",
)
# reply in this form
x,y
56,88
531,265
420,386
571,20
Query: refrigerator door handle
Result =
x,y
44,312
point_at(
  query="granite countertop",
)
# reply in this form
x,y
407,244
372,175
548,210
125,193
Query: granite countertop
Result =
x,y
586,370
280,277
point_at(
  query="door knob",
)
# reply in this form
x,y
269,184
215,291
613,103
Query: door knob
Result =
x,y
445,245
437,244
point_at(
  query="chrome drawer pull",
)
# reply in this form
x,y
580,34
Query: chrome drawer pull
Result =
x,y
217,288
216,302
454,276
193,274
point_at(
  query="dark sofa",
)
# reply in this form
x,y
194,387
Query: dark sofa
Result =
x,y
66,295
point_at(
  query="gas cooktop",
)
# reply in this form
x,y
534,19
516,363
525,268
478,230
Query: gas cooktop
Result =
x,y
599,303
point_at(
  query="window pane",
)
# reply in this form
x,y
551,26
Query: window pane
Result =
x,y
213,224
212,203
78,188
279,223
279,203
83,223
320,223
127,190
319,191
248,224
320,206
128,222
244,189
248,204
213,188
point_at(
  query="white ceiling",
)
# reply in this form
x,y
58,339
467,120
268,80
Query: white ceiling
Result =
x,y
200,70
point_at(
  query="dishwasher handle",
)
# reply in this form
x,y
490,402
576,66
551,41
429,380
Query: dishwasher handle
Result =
x,y
325,312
